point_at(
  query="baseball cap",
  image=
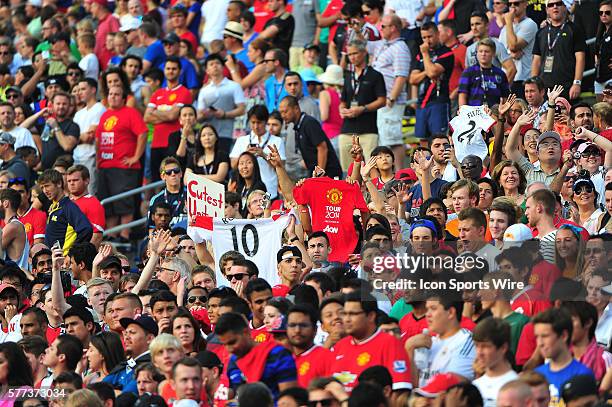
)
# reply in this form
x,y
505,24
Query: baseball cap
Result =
x,y
35,3
171,38
406,174
5,286
132,23
576,143
584,146
424,223
109,261
103,3
549,134
208,359
59,80
517,233
287,252
7,138
308,76
578,386
310,45
607,289
13,89
144,321
438,384
234,29
179,8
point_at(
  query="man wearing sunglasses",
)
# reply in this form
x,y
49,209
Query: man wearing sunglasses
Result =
x,y
559,51
23,137
174,194
10,161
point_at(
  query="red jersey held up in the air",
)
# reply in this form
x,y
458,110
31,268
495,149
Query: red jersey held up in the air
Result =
x,y
332,204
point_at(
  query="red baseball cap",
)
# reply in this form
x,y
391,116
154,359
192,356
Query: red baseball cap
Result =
x,y
406,174
438,384
103,3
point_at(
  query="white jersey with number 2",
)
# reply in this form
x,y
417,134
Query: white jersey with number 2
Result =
x,y
257,239
467,129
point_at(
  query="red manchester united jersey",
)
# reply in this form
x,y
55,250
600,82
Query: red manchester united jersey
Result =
x,y
315,362
164,99
93,210
352,358
117,137
35,222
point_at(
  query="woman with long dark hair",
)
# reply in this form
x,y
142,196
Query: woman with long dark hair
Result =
x,y
187,330
116,77
15,370
207,159
104,353
247,178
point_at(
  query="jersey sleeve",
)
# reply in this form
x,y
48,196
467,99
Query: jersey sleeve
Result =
x,y
185,97
283,365
98,217
396,361
464,82
461,363
39,224
301,194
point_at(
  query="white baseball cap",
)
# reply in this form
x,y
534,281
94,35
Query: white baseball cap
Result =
x,y
131,24
517,233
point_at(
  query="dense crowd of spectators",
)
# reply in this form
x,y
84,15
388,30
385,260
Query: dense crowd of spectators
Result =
x,y
469,268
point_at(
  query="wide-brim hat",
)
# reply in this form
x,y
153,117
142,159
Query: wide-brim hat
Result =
x,y
333,75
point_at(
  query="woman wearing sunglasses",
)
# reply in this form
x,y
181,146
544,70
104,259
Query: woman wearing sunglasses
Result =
x,y
585,198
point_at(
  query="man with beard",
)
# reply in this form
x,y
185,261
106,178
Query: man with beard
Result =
x,y
595,253
63,133
319,249
441,151
310,360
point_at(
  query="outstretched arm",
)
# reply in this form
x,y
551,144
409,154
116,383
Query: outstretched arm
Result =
x,y
157,245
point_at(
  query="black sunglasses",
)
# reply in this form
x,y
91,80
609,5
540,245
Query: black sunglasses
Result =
x,y
172,171
556,4
605,12
195,298
237,276
323,403
587,188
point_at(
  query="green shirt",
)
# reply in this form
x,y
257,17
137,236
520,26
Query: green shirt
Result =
x,y
46,46
517,322
399,309
324,35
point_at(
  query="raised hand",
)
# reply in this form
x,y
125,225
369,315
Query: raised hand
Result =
x,y
290,229
527,117
423,163
365,169
318,172
504,107
553,94
274,157
356,150
402,193
104,252
159,242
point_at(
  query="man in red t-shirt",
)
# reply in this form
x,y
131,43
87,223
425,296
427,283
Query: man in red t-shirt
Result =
x,y
120,143
310,360
77,179
163,112
331,206
178,21
367,346
34,220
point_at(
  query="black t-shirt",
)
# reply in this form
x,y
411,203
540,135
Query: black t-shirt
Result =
x,y
209,168
51,148
569,40
370,86
286,25
536,10
437,90
463,12
309,134
604,53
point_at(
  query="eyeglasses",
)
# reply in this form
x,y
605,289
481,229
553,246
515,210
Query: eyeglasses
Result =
x,y
268,60
168,269
355,22
557,4
366,12
594,250
591,153
580,190
172,171
12,96
565,179
605,12
5,53
551,144
73,73
18,180
237,276
194,298
322,403
514,3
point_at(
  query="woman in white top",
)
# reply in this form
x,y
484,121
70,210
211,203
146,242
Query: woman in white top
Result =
x,y
586,198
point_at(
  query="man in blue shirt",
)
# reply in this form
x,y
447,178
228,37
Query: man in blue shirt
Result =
x,y
276,61
266,362
155,54
553,331
188,77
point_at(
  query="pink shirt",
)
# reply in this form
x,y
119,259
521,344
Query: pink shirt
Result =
x,y
109,24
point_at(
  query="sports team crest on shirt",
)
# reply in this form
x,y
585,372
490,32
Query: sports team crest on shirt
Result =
x,y
304,368
533,279
334,196
363,359
110,123
172,97
260,338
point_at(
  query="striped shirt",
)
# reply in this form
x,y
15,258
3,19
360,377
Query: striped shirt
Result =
x,y
534,173
547,246
454,354
392,59
484,85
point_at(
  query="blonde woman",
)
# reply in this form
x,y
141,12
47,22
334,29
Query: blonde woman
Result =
x,y
166,350
83,398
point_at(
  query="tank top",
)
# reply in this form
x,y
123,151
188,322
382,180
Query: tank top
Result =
x,y
22,261
333,124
